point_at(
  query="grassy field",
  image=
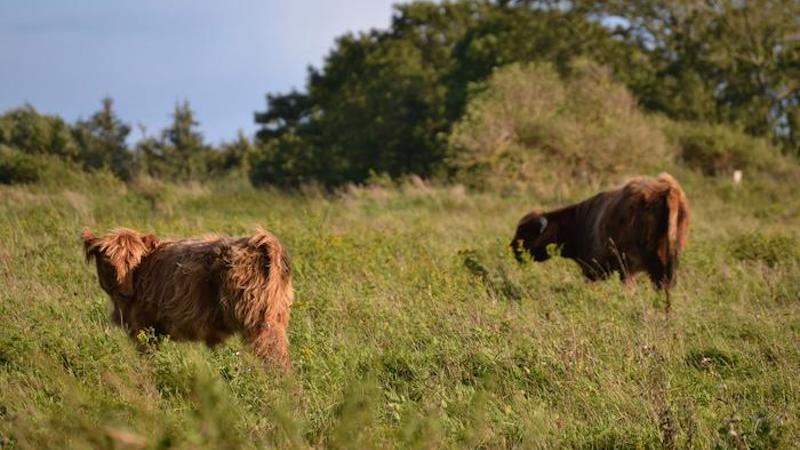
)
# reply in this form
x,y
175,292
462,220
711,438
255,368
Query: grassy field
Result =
x,y
413,327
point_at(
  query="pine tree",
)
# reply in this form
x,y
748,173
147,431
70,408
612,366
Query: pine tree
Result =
x,y
102,141
185,150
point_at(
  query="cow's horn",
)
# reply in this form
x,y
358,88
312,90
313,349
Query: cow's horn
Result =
x,y
542,223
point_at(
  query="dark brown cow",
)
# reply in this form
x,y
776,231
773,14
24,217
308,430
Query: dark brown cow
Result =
x,y
640,226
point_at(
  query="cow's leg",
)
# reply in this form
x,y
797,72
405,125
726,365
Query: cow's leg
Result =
x,y
661,282
657,273
216,337
269,342
118,318
629,280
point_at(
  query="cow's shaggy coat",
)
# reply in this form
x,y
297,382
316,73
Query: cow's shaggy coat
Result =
x,y
641,226
202,289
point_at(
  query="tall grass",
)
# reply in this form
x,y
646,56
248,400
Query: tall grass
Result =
x,y
413,327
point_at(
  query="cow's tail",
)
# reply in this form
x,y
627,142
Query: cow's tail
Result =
x,y
677,221
279,273
261,274
261,280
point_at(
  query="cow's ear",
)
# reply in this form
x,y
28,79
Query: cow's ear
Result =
x,y
124,250
150,241
89,243
542,224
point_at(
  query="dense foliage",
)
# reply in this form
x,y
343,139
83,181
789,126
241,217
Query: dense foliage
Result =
x,y
37,134
386,100
31,142
724,61
718,79
531,127
102,141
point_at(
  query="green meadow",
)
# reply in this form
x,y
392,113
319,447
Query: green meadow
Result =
x,y
395,174
413,326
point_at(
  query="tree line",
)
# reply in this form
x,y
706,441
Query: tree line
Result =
x,y
100,142
388,101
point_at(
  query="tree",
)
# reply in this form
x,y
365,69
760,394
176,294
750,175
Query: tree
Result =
x,y
384,101
152,157
30,132
231,156
287,161
102,141
285,113
179,152
185,144
733,61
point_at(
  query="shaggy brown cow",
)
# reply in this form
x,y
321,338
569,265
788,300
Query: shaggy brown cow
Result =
x,y
202,289
640,226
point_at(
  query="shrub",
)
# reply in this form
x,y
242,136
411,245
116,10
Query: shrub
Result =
x,y
30,132
286,161
17,167
530,126
721,149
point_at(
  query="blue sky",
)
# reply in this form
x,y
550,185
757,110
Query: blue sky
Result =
x,y
223,56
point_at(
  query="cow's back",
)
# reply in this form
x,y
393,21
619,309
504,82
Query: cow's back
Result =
x,y
179,284
590,230
635,223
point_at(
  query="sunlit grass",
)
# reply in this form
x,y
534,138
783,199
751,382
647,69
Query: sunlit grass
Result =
x,y
413,327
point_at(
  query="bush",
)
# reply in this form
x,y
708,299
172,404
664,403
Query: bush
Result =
x,y
17,167
27,130
721,149
530,126
285,161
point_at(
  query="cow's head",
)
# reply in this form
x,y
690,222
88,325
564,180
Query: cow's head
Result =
x,y
533,235
117,255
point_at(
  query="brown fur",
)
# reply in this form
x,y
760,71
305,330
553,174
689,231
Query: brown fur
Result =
x,y
641,226
202,289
